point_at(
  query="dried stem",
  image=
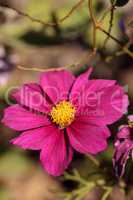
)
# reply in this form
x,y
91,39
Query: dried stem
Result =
x,y
77,5
94,24
123,47
97,25
86,58
111,36
110,23
36,69
105,13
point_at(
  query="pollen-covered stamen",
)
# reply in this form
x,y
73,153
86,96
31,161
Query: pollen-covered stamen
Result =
x,y
63,113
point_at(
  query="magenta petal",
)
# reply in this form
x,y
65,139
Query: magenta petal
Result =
x,y
56,153
121,155
20,119
82,120
114,104
90,92
57,84
30,95
109,102
80,84
124,132
122,148
87,138
32,139
99,85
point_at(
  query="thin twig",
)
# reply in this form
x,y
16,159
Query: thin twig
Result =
x,y
97,25
110,24
44,69
85,59
105,13
46,23
124,48
111,36
94,24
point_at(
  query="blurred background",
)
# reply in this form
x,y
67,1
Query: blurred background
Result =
x,y
26,43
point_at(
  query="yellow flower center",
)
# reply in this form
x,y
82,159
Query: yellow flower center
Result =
x,y
130,124
63,113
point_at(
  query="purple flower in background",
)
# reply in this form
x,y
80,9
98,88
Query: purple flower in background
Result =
x,y
64,113
123,147
122,25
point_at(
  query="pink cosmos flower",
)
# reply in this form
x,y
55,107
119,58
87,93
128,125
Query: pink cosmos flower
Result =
x,y
64,113
123,147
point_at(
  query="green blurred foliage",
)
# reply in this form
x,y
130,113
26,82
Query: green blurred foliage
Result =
x,y
13,163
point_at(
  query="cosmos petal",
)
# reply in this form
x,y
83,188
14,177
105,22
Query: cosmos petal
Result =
x,y
20,119
121,155
30,95
33,139
103,102
124,132
86,138
57,84
56,153
79,85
